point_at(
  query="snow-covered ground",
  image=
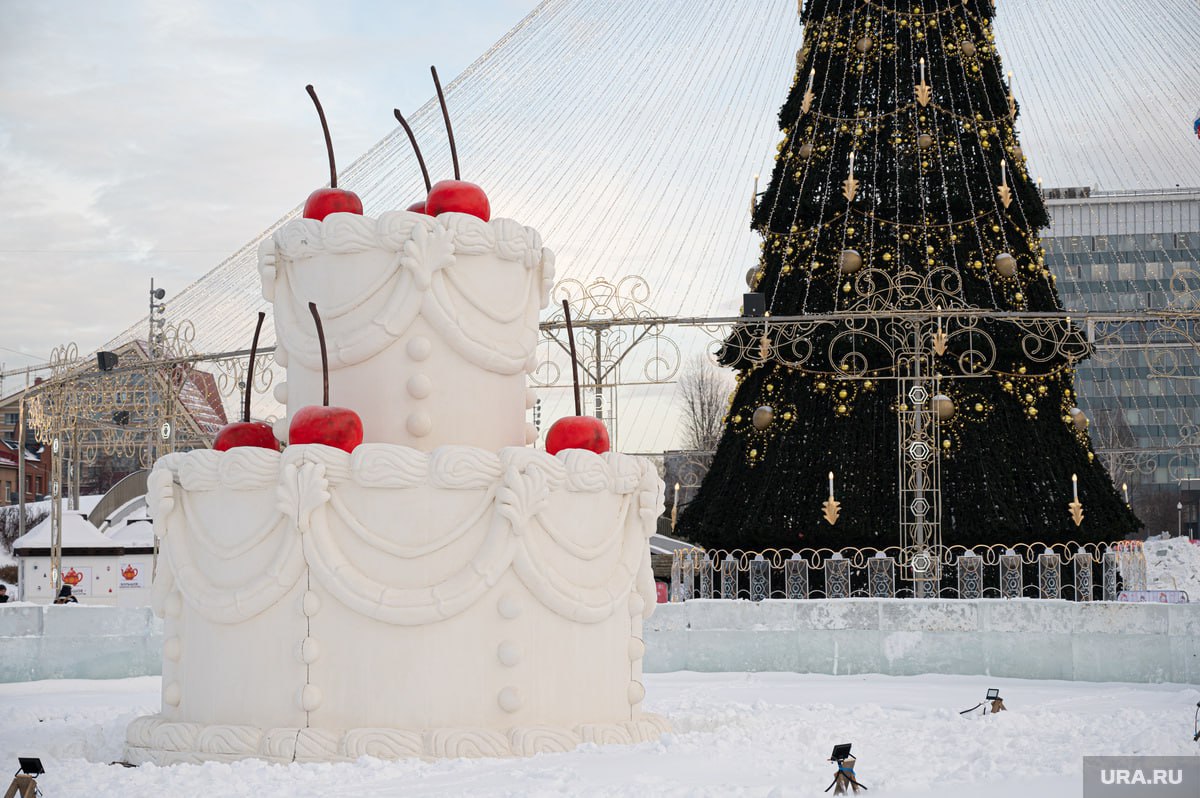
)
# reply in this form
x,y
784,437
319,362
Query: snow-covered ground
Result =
x,y
735,735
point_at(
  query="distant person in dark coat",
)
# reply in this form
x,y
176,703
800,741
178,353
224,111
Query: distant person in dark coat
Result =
x,y
3,594
65,597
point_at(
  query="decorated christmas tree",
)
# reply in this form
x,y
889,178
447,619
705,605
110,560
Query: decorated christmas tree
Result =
x,y
914,369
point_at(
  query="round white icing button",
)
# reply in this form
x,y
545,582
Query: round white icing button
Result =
x,y
310,698
508,607
531,433
419,424
420,386
174,605
311,603
636,604
637,649
172,694
172,649
280,393
420,348
636,692
509,699
509,653
310,651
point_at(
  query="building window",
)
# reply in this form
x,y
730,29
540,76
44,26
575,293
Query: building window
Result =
x,y
1154,270
1100,243
1126,271
1100,272
39,486
10,420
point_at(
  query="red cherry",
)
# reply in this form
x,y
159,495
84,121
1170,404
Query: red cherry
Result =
x,y
458,196
325,201
246,433
339,427
577,432
416,207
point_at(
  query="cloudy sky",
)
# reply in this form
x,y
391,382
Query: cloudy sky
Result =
x,y
141,138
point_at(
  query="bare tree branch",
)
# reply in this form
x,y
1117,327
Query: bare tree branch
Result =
x,y
703,395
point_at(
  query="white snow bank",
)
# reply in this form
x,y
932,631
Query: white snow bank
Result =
x,y
1173,565
735,735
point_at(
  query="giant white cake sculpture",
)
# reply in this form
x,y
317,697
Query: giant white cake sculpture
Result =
x,y
440,591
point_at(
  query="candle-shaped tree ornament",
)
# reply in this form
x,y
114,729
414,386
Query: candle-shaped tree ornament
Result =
x,y
675,508
924,94
809,96
754,196
1075,506
940,339
831,507
850,187
1125,490
1003,190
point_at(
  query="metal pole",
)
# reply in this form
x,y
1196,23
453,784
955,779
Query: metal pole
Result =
x,y
76,461
21,467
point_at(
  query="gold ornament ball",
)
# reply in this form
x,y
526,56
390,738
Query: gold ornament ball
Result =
x,y
968,48
1018,153
1079,419
1006,264
750,277
978,407
842,394
763,417
944,407
945,444
864,44
806,150
1032,412
851,261
924,141
820,386
842,410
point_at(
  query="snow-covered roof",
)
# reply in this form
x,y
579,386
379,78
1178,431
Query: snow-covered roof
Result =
x,y
135,533
77,533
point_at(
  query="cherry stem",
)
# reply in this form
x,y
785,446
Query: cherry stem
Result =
x,y
250,368
446,116
574,360
328,141
312,307
413,140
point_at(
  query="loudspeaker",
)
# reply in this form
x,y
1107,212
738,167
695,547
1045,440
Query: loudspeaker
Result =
x,y
754,305
107,361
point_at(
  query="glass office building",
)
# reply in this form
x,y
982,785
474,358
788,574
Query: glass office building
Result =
x,y
1127,252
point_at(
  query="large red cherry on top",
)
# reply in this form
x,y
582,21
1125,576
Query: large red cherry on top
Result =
x,y
577,431
457,195
339,427
255,434
325,201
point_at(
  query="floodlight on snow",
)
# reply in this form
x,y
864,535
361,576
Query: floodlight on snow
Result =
x,y
844,780
993,703
24,783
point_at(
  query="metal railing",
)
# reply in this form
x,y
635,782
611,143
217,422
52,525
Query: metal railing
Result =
x,y
1076,572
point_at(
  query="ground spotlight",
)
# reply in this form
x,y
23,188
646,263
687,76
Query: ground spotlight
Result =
x,y
24,783
844,780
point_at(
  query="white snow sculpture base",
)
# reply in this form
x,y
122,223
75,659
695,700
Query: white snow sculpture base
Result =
x,y
322,606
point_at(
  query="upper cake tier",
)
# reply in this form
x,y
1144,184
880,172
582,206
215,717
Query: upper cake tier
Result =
x,y
431,324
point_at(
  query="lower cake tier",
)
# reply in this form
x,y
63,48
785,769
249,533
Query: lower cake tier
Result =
x,y
322,606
